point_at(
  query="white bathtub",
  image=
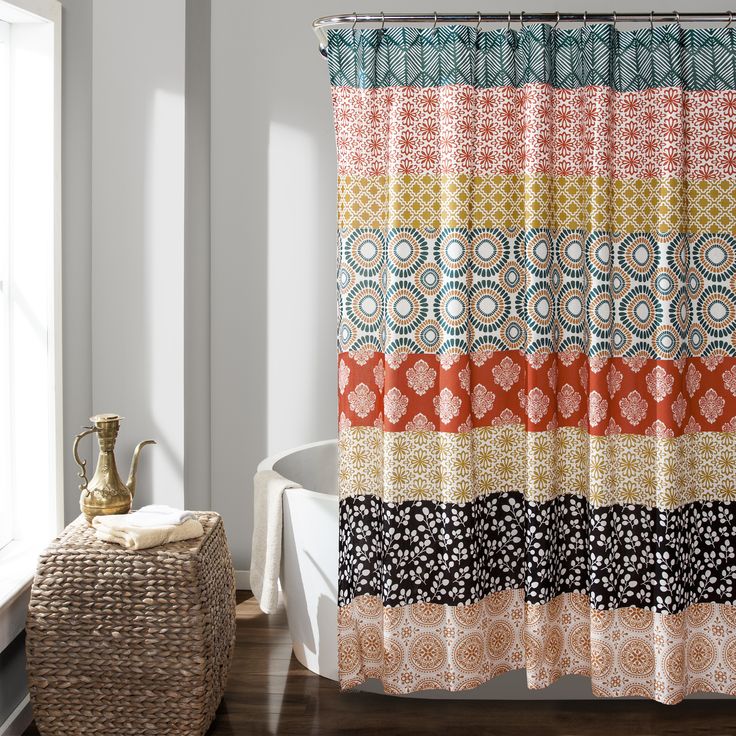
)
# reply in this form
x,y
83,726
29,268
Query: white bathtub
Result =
x,y
309,553
309,579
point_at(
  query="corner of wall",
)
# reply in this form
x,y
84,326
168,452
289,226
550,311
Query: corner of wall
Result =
x,y
76,230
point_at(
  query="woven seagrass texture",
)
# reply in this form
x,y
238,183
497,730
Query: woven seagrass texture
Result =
x,y
122,642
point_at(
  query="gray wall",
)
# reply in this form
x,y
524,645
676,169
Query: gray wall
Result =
x,y
136,184
273,244
197,436
76,230
138,223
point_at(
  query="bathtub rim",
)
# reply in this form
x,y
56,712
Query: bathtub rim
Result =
x,y
269,462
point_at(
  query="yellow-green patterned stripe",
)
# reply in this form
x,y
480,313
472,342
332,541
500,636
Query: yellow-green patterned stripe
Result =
x,y
616,469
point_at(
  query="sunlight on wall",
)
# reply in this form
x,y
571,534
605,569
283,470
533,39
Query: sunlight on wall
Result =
x,y
293,271
137,234
163,269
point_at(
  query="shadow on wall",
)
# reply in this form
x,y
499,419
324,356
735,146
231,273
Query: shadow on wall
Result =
x,y
273,248
138,235
145,365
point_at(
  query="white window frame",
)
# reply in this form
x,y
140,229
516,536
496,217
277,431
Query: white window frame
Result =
x,y
6,476
34,19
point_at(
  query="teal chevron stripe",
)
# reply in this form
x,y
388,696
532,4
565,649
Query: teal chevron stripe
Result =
x,y
599,55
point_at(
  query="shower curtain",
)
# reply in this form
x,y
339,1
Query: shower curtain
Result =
x,y
537,356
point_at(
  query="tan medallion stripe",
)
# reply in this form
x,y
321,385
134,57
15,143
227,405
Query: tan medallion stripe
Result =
x,y
536,201
614,469
625,652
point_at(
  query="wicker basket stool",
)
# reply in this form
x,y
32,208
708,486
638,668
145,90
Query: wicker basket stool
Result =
x,y
123,642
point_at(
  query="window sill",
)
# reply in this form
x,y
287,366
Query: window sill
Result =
x,y
17,566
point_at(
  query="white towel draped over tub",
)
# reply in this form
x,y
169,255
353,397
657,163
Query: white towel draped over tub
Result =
x,y
268,489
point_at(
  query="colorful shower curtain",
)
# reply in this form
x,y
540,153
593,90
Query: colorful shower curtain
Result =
x,y
537,356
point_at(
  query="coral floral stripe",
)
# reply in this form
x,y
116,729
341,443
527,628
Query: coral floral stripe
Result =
x,y
454,393
625,652
536,129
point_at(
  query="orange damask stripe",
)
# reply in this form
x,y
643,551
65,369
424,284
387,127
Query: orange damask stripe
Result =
x,y
625,652
454,393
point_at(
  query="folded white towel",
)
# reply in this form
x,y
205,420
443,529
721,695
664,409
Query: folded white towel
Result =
x,y
116,528
157,515
265,561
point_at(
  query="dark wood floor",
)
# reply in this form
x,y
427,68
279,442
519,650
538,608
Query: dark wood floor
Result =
x,y
269,692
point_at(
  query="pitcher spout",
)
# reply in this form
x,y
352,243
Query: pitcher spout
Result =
x,y
134,465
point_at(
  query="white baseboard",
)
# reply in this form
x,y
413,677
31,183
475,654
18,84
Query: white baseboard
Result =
x,y
242,582
19,720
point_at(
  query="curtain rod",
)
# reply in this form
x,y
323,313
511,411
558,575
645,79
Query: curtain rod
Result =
x,y
353,19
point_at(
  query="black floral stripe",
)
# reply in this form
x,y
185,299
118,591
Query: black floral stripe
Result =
x,y
663,560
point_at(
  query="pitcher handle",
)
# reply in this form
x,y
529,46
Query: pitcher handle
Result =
x,y
82,463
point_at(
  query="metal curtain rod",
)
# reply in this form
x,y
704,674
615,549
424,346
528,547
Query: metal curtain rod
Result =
x,y
321,24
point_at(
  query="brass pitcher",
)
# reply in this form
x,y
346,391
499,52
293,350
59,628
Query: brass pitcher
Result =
x,y
106,493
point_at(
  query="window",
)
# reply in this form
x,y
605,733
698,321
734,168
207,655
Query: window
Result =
x,y
6,500
30,278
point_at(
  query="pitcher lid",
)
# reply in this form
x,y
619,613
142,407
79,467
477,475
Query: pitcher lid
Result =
x,y
101,418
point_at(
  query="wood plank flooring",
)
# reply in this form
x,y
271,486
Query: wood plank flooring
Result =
x,y
269,692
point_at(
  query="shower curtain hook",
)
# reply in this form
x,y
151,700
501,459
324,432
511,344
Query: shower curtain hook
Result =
x,y
508,23
557,20
651,20
383,21
585,18
730,19
355,19
677,18
615,18
521,18
434,25
477,25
